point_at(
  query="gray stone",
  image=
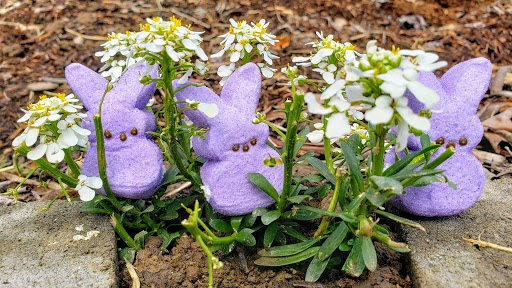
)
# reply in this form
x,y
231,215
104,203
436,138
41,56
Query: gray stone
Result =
x,y
37,248
441,258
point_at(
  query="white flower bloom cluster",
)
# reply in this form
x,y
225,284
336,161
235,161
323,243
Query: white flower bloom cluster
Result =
x,y
239,44
157,38
377,80
55,122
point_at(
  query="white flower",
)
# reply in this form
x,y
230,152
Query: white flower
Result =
x,y
70,133
314,107
209,109
86,185
397,81
337,126
318,135
382,112
207,191
53,151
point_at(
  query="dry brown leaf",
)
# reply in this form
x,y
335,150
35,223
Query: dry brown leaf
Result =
x,y
502,121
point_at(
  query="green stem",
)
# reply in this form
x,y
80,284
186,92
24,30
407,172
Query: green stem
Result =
x,y
292,119
328,155
332,205
121,232
49,168
274,127
378,158
71,163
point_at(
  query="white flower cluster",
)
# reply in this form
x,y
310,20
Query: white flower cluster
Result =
x,y
157,38
55,121
377,80
239,44
86,186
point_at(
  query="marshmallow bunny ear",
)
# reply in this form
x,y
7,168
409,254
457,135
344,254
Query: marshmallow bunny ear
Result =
x,y
87,85
467,82
200,94
243,88
130,92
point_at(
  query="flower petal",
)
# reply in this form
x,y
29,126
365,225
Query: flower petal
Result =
x,y
333,89
337,126
379,115
86,193
401,136
315,136
315,107
209,109
37,152
424,94
54,153
31,136
416,121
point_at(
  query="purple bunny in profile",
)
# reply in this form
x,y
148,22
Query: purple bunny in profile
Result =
x,y
134,162
454,123
233,145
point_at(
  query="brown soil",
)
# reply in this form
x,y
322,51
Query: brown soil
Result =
x,y
185,266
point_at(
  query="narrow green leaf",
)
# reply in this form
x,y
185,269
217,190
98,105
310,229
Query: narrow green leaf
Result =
x,y
301,139
333,241
299,198
265,186
126,208
287,260
402,163
149,209
316,268
353,164
344,216
400,219
321,168
221,225
270,235
369,254
312,178
270,217
289,249
140,238
170,175
425,142
354,141
354,265
245,237
387,184
167,237
427,180
169,215
418,173
293,232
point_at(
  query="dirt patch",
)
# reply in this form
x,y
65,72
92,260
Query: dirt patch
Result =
x,y
185,266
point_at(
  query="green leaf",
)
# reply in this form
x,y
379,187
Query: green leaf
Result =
x,y
299,198
344,247
353,164
167,237
317,213
245,237
270,235
420,173
375,197
427,180
170,175
247,222
324,190
293,232
316,268
354,265
236,222
399,219
259,211
312,178
128,254
320,166
149,209
425,142
126,208
265,186
221,225
169,215
387,184
354,141
402,163
287,250
301,139
287,260
333,241
270,217
305,156
140,238
369,254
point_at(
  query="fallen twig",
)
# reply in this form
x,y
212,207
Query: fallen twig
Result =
x,y
484,244
87,37
133,275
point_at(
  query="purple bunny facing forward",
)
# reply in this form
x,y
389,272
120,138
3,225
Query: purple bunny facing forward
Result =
x,y
454,123
233,145
134,162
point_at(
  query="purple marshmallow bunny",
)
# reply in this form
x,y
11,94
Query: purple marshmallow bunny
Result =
x,y
134,162
233,145
454,123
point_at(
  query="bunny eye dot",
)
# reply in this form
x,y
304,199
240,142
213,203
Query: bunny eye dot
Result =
x,y
253,141
122,136
246,148
134,131
463,141
440,141
450,145
236,147
107,134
